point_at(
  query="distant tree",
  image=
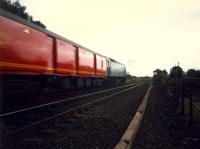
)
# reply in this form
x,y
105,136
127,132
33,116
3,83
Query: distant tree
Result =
x,y
176,71
192,73
19,10
134,77
39,24
128,75
198,73
164,72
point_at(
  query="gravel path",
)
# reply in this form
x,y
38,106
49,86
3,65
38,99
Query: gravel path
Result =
x,y
163,128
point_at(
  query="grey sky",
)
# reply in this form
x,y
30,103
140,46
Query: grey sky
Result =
x,y
142,34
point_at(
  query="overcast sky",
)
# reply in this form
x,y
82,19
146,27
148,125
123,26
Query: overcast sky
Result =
x,y
142,34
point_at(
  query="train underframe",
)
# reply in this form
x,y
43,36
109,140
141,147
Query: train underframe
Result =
x,y
33,85
13,87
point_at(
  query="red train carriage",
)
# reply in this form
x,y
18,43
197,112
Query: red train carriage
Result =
x,y
34,58
24,50
101,66
86,63
66,58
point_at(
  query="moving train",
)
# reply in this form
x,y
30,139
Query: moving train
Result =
x,y
34,59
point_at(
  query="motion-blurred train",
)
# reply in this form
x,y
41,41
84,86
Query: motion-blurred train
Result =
x,y
33,58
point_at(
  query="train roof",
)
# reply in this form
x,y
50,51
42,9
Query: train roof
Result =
x,y
25,22
115,61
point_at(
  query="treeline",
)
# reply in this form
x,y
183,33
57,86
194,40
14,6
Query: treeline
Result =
x,y
192,73
177,72
19,10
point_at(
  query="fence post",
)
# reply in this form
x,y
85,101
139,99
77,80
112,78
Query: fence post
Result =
x,y
180,96
182,102
190,109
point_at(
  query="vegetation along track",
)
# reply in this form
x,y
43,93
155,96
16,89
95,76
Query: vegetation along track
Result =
x,y
16,122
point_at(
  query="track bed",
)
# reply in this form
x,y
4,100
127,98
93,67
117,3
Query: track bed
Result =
x,y
100,125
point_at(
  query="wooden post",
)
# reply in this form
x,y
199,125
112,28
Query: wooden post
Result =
x,y
182,102
177,92
190,110
180,97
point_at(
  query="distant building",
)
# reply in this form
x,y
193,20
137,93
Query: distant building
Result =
x,y
157,73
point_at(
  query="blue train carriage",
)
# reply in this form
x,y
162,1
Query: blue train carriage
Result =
x,y
116,72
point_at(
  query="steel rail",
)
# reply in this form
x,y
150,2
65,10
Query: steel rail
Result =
x,y
64,100
69,111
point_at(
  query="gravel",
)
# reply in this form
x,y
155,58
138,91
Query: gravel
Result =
x,y
163,127
99,126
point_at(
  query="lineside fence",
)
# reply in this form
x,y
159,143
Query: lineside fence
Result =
x,y
188,93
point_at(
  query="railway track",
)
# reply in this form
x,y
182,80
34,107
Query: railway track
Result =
x,y
19,102
72,97
21,122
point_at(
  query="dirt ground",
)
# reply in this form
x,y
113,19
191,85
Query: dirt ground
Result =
x,y
163,127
